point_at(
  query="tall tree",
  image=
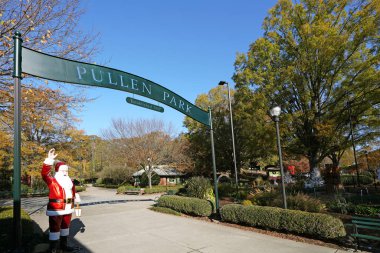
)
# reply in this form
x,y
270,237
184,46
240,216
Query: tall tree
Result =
x,y
199,134
254,128
52,27
144,143
45,25
314,57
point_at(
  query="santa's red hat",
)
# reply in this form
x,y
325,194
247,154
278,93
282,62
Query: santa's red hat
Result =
x,y
60,165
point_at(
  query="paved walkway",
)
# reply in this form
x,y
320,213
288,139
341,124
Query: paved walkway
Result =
x,y
123,223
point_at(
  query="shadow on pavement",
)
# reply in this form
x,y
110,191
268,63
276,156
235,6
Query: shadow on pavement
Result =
x,y
76,226
41,245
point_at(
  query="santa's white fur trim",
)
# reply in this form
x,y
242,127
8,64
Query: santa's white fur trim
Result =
x,y
63,167
59,212
65,232
49,161
53,236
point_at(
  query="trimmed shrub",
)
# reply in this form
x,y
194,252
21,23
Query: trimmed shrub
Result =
x,y
198,187
80,188
193,206
300,222
367,210
111,186
164,210
364,178
161,188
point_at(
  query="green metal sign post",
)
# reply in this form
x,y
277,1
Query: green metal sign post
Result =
x,y
144,104
58,69
17,229
213,162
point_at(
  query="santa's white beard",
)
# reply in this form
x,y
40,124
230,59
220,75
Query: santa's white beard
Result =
x,y
65,182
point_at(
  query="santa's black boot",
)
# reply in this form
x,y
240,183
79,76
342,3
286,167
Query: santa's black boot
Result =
x,y
64,246
54,246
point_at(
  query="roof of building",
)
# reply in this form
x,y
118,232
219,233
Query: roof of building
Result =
x,y
161,170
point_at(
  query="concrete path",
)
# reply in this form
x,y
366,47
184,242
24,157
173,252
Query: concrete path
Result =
x,y
125,224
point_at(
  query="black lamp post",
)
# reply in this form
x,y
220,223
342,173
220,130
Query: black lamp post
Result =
x,y
353,142
233,135
275,114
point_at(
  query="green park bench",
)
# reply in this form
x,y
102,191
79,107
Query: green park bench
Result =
x,y
363,228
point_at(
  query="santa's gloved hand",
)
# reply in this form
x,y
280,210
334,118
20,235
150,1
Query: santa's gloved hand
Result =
x,y
51,156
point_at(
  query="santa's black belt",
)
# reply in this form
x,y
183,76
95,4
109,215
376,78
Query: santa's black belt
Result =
x,y
68,201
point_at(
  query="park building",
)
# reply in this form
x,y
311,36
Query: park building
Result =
x,y
168,175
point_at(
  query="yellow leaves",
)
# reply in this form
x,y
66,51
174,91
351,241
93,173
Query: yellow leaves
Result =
x,y
326,129
306,29
44,38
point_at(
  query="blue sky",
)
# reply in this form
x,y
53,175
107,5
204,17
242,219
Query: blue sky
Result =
x,y
186,46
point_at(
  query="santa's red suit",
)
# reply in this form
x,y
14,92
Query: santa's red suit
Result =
x,y
61,201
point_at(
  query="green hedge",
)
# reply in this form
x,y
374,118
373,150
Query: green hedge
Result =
x,y
193,206
351,179
80,188
367,210
111,186
300,222
6,224
122,189
155,189
162,188
164,210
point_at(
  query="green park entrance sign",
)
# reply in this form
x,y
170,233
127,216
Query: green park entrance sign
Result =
x,y
144,104
58,69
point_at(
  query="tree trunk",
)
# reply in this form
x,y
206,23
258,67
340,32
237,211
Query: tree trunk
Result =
x,y
315,179
335,170
313,164
150,178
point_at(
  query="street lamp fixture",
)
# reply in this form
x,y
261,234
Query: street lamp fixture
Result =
x,y
275,114
222,83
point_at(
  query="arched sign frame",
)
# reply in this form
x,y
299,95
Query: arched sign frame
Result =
x,y
50,67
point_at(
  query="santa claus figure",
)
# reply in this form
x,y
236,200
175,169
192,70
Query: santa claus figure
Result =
x,y
61,202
